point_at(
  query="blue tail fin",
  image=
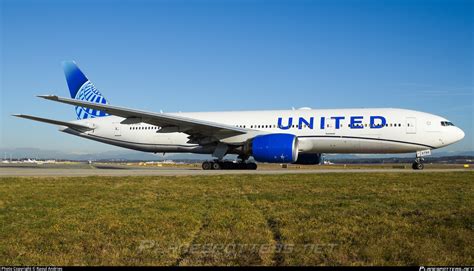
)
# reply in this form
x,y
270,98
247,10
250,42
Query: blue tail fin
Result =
x,y
82,89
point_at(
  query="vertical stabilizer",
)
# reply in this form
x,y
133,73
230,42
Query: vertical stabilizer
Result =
x,y
82,89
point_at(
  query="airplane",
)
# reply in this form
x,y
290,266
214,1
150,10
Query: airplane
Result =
x,y
296,136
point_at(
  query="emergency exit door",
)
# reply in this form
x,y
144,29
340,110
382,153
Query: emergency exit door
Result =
x,y
117,129
330,126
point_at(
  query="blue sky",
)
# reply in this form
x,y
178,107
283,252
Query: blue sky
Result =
x,y
235,55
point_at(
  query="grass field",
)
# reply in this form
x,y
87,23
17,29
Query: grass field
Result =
x,y
307,219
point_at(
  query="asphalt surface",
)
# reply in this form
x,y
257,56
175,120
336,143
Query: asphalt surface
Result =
x,y
92,171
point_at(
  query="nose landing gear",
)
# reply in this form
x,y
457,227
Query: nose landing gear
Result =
x,y
418,164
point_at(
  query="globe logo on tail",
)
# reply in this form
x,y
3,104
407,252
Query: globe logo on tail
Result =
x,y
89,93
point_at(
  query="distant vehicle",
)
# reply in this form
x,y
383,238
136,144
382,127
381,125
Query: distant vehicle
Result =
x,y
272,136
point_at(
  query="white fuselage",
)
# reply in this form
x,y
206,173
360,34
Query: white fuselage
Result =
x,y
318,131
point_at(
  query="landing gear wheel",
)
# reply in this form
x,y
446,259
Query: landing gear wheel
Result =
x,y
252,166
206,165
417,166
216,166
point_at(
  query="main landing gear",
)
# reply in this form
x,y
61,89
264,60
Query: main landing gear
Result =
x,y
418,164
216,165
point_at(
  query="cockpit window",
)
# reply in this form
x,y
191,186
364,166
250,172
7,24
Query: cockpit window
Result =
x,y
446,123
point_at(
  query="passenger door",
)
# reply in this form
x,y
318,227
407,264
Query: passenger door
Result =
x,y
411,125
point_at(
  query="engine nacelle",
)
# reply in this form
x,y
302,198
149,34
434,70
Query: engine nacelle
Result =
x,y
308,159
275,148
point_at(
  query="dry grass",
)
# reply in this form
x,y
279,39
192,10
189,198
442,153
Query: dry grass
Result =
x,y
308,219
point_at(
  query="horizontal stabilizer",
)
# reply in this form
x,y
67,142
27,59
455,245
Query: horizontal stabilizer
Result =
x,y
75,126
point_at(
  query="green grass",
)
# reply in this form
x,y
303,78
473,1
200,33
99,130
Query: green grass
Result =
x,y
308,219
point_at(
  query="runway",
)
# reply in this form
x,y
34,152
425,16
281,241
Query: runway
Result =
x,y
92,171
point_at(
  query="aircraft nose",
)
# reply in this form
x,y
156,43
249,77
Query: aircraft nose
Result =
x,y
459,134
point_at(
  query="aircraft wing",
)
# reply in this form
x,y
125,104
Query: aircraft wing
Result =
x,y
197,129
72,125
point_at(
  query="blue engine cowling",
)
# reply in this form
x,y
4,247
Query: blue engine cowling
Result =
x,y
308,159
275,148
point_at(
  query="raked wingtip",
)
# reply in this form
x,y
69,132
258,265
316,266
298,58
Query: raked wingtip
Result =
x,y
48,97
